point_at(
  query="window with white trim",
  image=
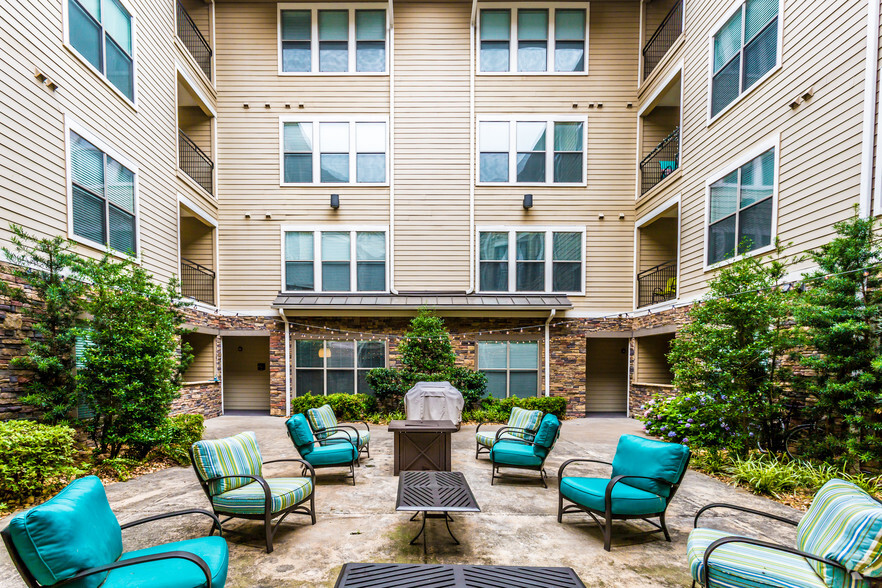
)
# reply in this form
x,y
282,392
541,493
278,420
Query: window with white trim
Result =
x,y
531,260
744,50
335,261
334,152
532,150
741,209
102,197
335,367
101,32
544,39
333,40
511,367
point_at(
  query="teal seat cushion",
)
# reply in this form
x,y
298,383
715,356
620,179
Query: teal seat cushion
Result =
x,y
251,498
174,573
321,418
73,531
737,565
515,453
548,432
361,437
301,434
238,454
335,453
843,524
626,500
637,456
524,419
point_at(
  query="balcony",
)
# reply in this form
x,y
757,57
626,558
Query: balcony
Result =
x,y
657,284
194,40
663,38
194,162
661,162
197,281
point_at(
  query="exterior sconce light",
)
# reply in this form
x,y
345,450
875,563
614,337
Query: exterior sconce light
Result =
x,y
528,201
335,201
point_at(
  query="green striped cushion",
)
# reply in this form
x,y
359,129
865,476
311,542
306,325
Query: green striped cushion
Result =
x,y
321,418
489,438
250,499
524,419
238,454
843,524
363,436
739,565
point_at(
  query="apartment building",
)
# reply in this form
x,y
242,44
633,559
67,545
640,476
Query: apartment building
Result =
x,y
558,180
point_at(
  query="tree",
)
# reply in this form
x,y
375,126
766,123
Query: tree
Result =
x,y
730,354
134,362
50,269
839,318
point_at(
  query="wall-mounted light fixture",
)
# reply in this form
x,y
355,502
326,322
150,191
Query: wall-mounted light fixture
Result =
x,y
335,201
528,201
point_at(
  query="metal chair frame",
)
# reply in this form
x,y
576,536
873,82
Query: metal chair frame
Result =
x,y
351,465
481,448
540,468
366,448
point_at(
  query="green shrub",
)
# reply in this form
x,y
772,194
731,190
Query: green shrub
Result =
x,y
347,407
119,468
494,410
769,474
697,419
35,459
178,433
710,461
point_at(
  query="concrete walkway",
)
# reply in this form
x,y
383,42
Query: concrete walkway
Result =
x,y
517,525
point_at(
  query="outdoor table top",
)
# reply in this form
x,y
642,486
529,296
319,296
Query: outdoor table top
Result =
x,y
417,425
367,575
435,491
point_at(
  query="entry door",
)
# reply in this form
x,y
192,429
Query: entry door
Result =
x,y
246,373
607,377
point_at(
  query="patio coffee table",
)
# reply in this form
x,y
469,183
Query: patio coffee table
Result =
x,y
367,575
438,493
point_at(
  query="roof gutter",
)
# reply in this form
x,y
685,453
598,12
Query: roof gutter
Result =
x,y
472,66
869,130
287,362
548,351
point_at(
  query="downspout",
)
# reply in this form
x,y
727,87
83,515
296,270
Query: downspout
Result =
x,y
472,66
869,130
287,362
548,351
391,29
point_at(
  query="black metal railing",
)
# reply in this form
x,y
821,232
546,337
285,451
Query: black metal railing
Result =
x,y
197,281
193,40
661,162
657,284
195,162
663,38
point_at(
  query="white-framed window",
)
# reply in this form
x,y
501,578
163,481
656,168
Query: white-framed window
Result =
x,y
532,150
334,151
744,49
335,367
333,39
531,259
102,32
741,206
334,259
533,38
511,367
102,194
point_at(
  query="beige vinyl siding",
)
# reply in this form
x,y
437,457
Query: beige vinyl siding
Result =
x,y
654,13
657,243
820,141
32,138
652,362
607,375
203,348
197,242
245,386
197,126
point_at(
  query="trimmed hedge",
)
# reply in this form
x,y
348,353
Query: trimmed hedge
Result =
x,y
35,459
498,410
347,407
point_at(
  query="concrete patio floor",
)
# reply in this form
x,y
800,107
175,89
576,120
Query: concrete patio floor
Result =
x,y
517,525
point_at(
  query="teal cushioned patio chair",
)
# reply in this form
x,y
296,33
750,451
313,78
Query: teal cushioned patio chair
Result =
x,y
325,426
328,453
230,472
838,545
75,540
645,476
523,454
522,424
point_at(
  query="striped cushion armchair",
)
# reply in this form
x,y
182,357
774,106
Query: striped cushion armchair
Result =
x,y
325,426
526,455
522,424
231,474
838,545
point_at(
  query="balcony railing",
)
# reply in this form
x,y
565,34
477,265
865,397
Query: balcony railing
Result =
x,y
663,38
197,281
193,40
194,162
661,162
657,284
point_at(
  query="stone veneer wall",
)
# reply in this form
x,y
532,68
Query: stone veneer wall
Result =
x,y
640,394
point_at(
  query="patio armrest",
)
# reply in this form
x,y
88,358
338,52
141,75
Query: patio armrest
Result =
x,y
569,461
144,559
750,541
742,509
337,429
268,497
367,426
303,462
609,487
508,430
174,514
331,441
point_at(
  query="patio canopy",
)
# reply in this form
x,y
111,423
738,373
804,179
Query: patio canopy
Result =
x,y
413,301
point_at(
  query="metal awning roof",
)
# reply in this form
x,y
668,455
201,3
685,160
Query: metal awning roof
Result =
x,y
415,301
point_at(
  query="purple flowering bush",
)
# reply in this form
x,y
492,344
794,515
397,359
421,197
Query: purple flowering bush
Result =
x,y
697,419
